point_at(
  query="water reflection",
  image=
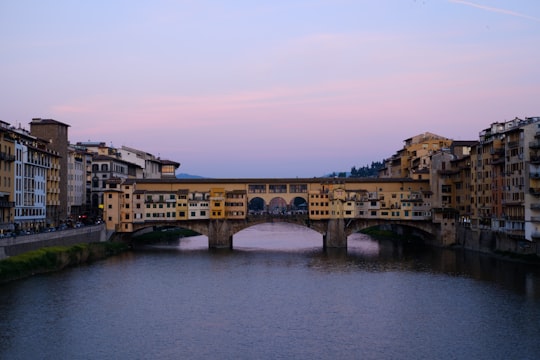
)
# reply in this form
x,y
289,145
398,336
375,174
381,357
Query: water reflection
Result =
x,y
368,254
277,294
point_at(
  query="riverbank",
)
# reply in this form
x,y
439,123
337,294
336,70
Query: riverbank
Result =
x,y
516,255
56,258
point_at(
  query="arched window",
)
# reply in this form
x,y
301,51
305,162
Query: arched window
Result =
x,y
104,167
95,167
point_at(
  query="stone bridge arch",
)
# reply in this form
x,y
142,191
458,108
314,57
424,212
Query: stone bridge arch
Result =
x,y
224,230
220,232
427,231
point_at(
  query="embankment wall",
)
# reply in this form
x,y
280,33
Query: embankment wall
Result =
x,y
488,241
12,246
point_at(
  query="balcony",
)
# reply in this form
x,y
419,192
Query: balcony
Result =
x,y
535,218
534,144
535,206
7,204
6,156
535,191
535,159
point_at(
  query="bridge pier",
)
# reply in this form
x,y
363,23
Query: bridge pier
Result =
x,y
335,236
220,234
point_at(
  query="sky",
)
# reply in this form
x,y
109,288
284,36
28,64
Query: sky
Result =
x,y
269,89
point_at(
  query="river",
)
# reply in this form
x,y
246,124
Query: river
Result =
x,y
277,295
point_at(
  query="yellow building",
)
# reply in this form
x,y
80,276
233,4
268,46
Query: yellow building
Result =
x,y
414,160
236,204
217,203
153,201
7,180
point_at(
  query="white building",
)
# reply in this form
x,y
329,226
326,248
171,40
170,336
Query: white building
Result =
x,y
150,166
31,165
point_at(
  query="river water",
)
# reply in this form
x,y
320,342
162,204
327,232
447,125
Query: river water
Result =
x,y
277,295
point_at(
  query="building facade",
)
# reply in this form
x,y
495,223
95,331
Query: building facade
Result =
x,y
55,133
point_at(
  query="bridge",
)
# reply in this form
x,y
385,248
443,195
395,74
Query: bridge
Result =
x,y
219,208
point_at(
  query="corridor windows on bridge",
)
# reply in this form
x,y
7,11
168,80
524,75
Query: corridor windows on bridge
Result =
x,y
277,188
298,188
257,188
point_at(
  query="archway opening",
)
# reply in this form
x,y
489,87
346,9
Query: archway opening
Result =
x,y
277,206
299,205
169,237
278,236
256,206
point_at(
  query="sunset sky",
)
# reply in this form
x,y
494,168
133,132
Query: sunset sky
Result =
x,y
283,88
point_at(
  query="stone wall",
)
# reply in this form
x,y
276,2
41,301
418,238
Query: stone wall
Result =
x,y
489,242
12,246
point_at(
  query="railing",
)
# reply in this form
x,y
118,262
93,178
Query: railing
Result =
x,y
535,206
535,159
535,191
6,156
534,144
7,204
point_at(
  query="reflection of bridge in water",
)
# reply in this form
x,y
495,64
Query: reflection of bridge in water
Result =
x,y
219,208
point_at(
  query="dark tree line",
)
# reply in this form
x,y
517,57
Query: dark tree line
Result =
x,y
364,171
367,171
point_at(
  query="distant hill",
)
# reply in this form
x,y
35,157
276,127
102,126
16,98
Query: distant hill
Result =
x,y
188,176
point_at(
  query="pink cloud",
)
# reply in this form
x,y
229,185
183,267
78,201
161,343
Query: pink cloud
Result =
x,y
496,10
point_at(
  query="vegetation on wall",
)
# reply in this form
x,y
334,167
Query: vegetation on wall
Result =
x,y
163,235
56,258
